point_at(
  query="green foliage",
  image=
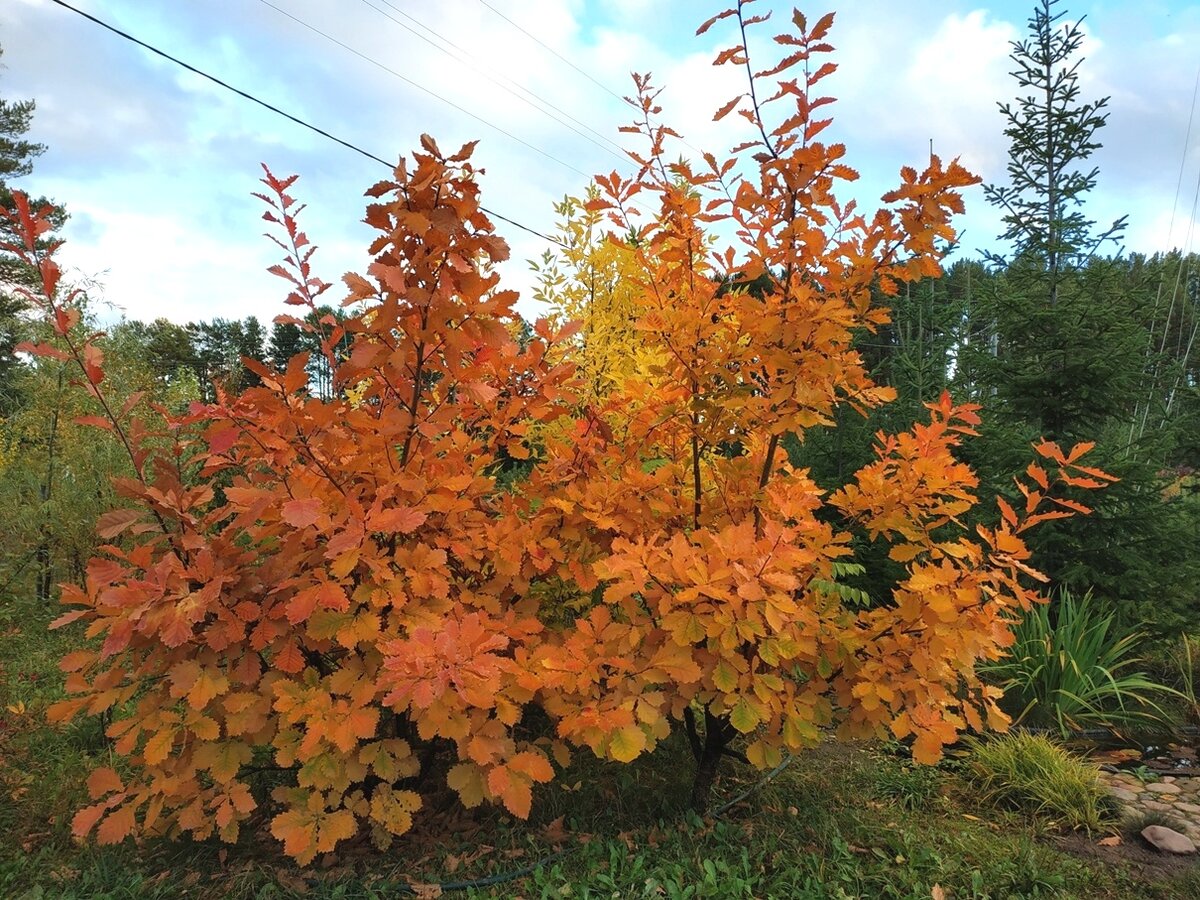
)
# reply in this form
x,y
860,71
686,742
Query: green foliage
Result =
x,y
1052,133
908,786
836,585
16,160
1070,668
1132,825
1032,773
55,475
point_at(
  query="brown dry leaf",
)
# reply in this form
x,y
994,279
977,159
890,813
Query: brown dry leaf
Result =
x,y
972,818
292,882
426,891
554,831
451,863
1113,840
937,893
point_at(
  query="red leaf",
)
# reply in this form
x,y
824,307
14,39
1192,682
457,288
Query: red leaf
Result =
x,y
115,521
95,422
403,519
301,513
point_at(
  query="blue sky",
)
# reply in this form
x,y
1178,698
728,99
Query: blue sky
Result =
x,y
156,165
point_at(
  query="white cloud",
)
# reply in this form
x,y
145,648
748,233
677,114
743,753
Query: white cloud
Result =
x,y
157,165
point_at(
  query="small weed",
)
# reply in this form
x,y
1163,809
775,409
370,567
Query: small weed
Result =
x,y
1134,824
1144,774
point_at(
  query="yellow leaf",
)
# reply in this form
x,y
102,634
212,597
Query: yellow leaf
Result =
x,y
159,746
627,743
335,827
725,677
467,780
209,684
223,760
297,831
393,809
743,717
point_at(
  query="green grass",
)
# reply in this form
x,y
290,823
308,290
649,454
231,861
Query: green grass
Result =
x,y
839,822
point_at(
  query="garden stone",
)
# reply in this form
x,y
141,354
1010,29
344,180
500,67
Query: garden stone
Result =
x,y
1187,807
1122,795
1168,840
1164,787
1155,806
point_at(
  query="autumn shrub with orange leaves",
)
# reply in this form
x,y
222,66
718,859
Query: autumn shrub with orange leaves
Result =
x,y
342,590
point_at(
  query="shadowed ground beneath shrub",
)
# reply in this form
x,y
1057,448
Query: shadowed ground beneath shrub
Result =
x,y
841,821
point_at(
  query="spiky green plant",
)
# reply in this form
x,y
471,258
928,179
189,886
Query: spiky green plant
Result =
x,y
1076,670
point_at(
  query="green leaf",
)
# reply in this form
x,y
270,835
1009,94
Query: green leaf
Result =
x,y
743,717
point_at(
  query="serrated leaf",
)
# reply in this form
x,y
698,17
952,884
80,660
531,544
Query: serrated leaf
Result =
x,y
743,717
627,744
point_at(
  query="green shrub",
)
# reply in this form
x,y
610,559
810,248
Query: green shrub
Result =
x,y
1075,670
1031,772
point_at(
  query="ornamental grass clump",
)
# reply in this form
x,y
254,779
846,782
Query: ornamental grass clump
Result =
x,y
1033,773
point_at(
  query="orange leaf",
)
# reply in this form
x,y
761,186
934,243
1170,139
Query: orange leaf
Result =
x,y
403,519
117,825
301,513
103,781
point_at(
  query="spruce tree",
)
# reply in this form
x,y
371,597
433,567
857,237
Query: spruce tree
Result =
x,y
1058,337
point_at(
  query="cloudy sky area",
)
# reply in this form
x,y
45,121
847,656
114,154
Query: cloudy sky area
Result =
x,y
156,165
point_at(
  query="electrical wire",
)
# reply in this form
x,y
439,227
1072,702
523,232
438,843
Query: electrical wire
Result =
x,y
421,87
263,103
585,74
459,54
537,40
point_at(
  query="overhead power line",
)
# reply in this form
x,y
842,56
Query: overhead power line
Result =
x,y
538,40
295,119
600,84
421,87
530,98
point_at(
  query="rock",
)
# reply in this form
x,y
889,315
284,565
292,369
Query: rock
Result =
x,y
1155,806
1187,807
1168,840
1164,787
1170,779
1124,796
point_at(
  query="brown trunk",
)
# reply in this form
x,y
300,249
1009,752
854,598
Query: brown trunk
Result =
x,y
717,735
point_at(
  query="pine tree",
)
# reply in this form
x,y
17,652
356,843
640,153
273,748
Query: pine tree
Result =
x,y
16,160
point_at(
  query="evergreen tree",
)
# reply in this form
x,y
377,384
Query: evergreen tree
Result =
x,y
16,160
287,339
1057,339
